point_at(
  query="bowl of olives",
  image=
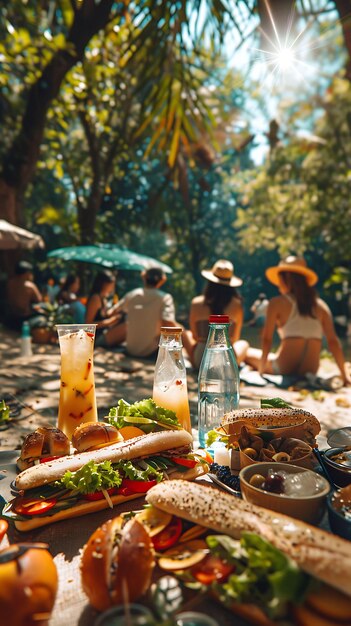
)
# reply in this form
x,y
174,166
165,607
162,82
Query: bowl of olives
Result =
x,y
285,488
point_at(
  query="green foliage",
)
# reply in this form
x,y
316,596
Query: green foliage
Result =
x,y
299,199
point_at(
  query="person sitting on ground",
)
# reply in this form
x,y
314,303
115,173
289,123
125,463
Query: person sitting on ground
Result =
x,y
301,320
220,297
68,296
110,330
147,308
21,294
259,310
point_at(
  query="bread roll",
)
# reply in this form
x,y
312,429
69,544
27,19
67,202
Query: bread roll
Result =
x,y
94,435
321,554
44,441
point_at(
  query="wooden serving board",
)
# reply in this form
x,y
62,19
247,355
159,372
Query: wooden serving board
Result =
x,y
66,540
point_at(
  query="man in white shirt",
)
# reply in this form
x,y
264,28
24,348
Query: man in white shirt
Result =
x,y
147,309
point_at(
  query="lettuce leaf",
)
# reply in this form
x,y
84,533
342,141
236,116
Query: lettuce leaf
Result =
x,y
91,477
275,403
4,412
263,574
145,409
135,472
214,435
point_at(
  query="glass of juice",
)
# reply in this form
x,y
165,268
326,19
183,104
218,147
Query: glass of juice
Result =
x,y
77,390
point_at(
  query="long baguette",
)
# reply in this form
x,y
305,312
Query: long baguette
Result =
x,y
145,445
319,553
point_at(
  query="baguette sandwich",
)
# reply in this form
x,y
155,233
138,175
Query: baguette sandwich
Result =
x,y
90,481
266,567
306,426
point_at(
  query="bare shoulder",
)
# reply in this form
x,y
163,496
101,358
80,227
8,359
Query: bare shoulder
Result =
x,y
323,307
197,302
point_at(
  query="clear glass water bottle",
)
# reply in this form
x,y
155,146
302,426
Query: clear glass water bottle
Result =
x,y
170,386
219,382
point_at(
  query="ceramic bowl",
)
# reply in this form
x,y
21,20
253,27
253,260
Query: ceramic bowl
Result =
x,y
339,505
340,474
307,508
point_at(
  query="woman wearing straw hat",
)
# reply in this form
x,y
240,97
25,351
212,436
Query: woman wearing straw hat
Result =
x,y
220,297
301,320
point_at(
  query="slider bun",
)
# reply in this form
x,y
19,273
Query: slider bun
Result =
x,y
117,575
44,441
92,435
28,585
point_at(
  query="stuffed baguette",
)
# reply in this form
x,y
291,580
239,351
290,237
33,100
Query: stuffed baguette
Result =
x,y
90,481
277,418
323,556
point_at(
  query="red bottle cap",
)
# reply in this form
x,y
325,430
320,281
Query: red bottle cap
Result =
x,y
218,319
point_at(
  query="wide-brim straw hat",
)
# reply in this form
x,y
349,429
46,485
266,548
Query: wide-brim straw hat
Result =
x,y
222,273
294,264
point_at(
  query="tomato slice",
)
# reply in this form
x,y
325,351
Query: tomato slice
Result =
x,y
32,506
138,486
3,528
98,495
46,459
167,537
212,569
180,460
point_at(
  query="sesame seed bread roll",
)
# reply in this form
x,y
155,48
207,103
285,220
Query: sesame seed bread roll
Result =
x,y
275,419
321,554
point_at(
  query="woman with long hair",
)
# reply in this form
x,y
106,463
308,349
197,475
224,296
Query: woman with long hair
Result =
x,y
110,331
220,297
301,320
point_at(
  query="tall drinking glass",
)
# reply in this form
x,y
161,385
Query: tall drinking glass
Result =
x,y
77,391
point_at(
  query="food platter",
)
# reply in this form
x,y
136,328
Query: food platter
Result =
x,y
66,540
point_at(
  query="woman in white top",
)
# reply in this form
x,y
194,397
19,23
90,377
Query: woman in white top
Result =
x,y
301,320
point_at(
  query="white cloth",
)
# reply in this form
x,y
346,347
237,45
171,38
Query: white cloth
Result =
x,y
146,308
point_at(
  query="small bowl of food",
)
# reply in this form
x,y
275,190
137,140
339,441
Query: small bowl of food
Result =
x,y
285,488
255,448
339,512
338,464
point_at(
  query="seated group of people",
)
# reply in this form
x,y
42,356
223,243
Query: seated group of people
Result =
x,y
297,314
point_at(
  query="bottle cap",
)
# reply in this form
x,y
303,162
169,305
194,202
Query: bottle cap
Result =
x,y
218,319
170,330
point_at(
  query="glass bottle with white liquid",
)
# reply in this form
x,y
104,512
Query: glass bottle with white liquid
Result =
x,y
170,385
219,382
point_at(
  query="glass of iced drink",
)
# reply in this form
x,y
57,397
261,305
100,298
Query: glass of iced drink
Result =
x,y
77,390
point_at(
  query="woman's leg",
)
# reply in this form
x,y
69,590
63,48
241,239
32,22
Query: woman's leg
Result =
x,y
116,335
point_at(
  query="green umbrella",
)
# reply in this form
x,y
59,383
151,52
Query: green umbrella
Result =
x,y
109,255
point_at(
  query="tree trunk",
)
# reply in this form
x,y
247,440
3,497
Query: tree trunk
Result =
x,y
19,163
343,8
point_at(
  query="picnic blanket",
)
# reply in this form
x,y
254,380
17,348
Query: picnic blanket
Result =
x,y
309,381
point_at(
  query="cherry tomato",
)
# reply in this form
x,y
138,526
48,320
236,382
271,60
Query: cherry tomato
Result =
x,y
183,461
211,569
138,486
46,459
3,528
98,495
32,506
167,537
